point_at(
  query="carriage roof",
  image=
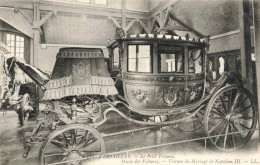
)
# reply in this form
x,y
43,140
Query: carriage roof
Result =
x,y
204,42
74,52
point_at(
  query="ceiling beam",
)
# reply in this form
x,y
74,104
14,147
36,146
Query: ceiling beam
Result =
x,y
166,17
130,24
114,21
146,29
45,18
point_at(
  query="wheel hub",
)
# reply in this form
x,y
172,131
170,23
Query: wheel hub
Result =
x,y
74,155
234,118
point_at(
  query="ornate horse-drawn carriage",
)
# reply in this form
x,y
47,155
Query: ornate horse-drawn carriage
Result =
x,y
164,80
20,92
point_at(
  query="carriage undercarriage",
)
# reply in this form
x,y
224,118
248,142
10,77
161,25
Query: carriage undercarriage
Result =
x,y
226,125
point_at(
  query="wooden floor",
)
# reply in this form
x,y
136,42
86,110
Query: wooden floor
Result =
x,y
12,149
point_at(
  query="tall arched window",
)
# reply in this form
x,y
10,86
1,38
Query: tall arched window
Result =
x,y
15,43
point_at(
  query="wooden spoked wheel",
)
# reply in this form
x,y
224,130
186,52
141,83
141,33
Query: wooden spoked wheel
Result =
x,y
72,144
230,118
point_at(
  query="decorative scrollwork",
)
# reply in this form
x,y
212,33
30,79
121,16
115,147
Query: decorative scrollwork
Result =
x,y
80,71
128,20
42,14
120,33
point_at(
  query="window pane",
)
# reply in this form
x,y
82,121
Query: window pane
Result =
x,y
12,43
132,51
22,39
195,60
18,38
116,58
8,36
143,61
144,51
12,37
144,65
171,59
22,55
22,44
131,65
221,65
167,62
12,49
18,44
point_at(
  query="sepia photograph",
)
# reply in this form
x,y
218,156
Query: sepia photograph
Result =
x,y
129,82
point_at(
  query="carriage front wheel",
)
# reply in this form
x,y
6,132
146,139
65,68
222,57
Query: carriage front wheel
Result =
x,y
230,118
72,144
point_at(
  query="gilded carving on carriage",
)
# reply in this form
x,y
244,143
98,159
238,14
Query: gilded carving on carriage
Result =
x,y
171,96
175,78
140,95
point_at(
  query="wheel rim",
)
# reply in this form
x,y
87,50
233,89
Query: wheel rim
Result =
x,y
230,116
72,144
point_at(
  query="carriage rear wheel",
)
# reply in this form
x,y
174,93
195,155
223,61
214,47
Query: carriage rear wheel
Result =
x,y
72,144
230,118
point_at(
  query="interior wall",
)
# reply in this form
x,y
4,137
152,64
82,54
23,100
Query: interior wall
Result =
x,y
68,28
208,17
47,58
152,4
117,4
137,5
227,42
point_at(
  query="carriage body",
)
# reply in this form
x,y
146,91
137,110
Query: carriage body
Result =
x,y
162,76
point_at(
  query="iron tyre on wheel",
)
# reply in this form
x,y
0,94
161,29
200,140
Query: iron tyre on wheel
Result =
x,y
230,118
72,144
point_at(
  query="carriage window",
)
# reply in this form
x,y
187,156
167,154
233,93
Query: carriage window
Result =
x,y
116,58
139,58
171,59
195,60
